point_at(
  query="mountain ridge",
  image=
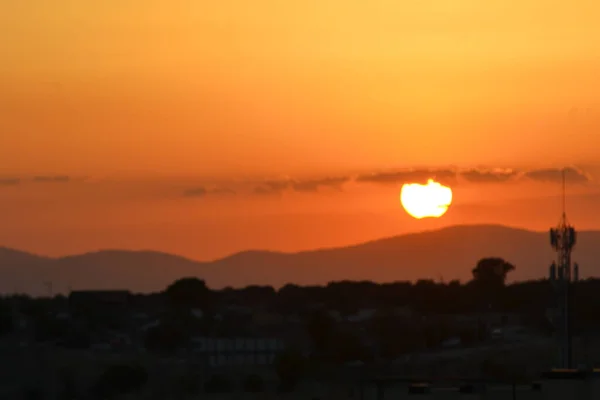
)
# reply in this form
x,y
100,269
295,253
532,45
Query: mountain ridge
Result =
x,y
450,252
258,250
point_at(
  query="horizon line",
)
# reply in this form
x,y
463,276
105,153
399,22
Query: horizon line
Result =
x,y
312,250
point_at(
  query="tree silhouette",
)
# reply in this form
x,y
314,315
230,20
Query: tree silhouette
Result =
x,y
218,384
321,330
348,347
254,384
68,385
492,271
166,338
489,279
7,324
189,293
189,385
119,379
290,366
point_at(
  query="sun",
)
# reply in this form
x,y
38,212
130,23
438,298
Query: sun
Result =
x,y
425,201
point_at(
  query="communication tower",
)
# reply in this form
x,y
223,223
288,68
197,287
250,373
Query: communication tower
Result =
x,y
562,239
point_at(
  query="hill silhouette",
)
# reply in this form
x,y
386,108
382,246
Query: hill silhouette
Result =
x,y
448,253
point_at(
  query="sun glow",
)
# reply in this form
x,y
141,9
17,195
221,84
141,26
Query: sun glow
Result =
x,y
425,201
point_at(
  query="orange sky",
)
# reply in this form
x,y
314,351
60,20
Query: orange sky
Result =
x,y
138,102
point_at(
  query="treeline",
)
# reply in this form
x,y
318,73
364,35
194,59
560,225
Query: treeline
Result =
x,y
531,299
331,342
486,292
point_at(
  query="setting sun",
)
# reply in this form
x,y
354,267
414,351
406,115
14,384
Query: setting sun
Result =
x,y
423,201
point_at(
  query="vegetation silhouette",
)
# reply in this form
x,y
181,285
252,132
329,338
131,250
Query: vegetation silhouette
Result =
x,y
254,384
403,318
290,367
188,293
68,389
189,385
119,379
165,338
492,271
218,384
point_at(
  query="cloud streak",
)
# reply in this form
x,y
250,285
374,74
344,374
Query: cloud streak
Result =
x,y
393,178
489,176
10,181
272,187
196,192
202,191
476,176
302,186
315,185
445,176
38,179
51,179
554,175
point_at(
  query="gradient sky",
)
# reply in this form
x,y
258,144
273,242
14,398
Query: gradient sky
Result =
x,y
167,117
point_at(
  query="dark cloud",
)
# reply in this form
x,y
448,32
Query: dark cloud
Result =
x,y
489,176
202,191
409,176
51,179
196,192
277,186
273,187
476,175
9,181
315,185
263,190
554,175
311,186
222,191
444,176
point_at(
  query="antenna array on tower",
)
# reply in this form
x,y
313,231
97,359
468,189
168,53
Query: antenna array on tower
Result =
x,y
563,239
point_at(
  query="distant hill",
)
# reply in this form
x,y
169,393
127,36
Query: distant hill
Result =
x,y
448,253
